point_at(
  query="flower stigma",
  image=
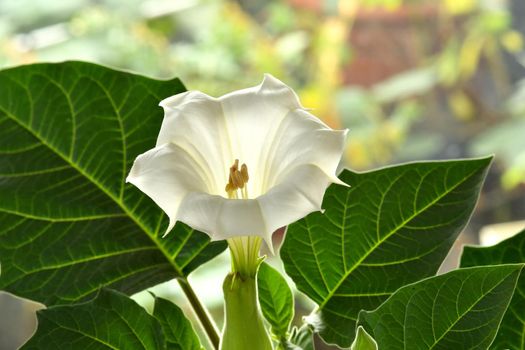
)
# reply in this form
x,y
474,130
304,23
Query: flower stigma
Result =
x,y
244,249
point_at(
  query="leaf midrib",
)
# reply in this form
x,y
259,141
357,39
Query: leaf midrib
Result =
x,y
92,180
109,282
278,311
98,340
67,219
121,130
396,229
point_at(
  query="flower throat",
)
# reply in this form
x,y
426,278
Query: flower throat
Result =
x,y
244,249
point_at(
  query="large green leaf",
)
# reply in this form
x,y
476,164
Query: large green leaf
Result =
x,y
69,133
511,334
458,310
276,300
110,321
393,226
176,328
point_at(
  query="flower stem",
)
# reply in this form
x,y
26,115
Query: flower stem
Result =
x,y
243,328
207,323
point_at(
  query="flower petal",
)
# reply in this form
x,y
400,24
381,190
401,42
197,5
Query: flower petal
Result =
x,y
195,121
252,116
300,194
167,174
304,139
223,218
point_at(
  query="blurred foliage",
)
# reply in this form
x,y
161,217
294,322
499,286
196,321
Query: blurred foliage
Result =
x,y
405,106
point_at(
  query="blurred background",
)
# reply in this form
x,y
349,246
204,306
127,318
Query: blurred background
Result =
x,y
411,79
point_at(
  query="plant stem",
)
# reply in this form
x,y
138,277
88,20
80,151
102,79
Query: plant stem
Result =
x,y
207,323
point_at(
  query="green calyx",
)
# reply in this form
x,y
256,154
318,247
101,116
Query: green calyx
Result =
x,y
243,327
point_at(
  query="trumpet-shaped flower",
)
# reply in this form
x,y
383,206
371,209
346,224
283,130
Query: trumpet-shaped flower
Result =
x,y
244,164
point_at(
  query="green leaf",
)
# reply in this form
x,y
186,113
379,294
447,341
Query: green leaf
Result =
x,y
511,334
176,328
392,227
110,321
276,300
69,133
458,310
363,341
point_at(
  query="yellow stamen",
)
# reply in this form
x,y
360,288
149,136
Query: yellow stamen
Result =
x,y
237,179
244,173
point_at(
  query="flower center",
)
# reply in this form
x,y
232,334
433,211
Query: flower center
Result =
x,y
245,249
237,181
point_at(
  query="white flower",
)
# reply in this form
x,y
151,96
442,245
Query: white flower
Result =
x,y
290,155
